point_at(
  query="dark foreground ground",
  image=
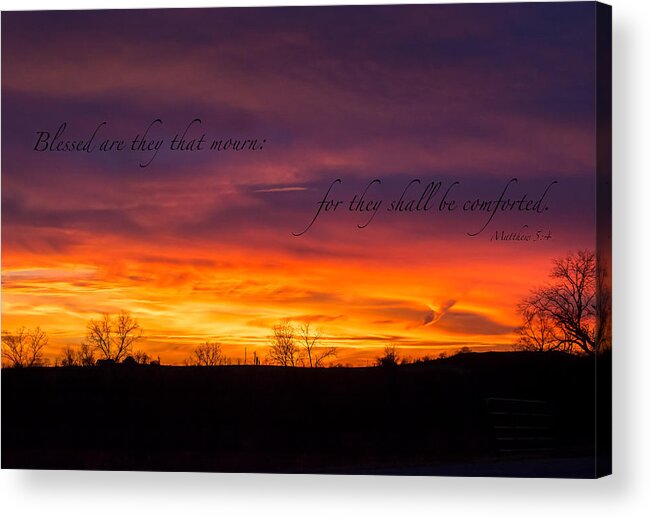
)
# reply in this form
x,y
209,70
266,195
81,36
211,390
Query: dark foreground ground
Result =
x,y
425,419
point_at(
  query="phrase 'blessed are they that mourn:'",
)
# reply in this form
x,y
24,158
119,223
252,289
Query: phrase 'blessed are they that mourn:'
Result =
x,y
189,138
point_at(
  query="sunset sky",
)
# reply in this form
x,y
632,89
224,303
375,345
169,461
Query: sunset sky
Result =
x,y
199,245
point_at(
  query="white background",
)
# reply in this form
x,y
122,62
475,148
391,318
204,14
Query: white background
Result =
x,y
626,493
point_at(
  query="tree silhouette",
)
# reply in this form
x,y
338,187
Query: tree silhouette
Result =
x,y
24,348
283,349
83,356
70,357
142,358
603,334
389,357
113,337
565,314
538,332
86,355
310,341
208,354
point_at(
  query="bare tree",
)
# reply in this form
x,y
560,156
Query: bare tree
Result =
x,y
538,332
564,314
310,341
86,355
208,354
83,356
283,349
113,337
389,357
70,357
603,334
24,348
142,357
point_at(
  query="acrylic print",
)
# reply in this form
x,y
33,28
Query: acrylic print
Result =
x,y
348,240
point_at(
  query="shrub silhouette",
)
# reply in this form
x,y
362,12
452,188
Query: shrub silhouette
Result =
x,y
389,358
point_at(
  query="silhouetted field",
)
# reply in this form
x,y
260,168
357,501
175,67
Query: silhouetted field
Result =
x,y
414,419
